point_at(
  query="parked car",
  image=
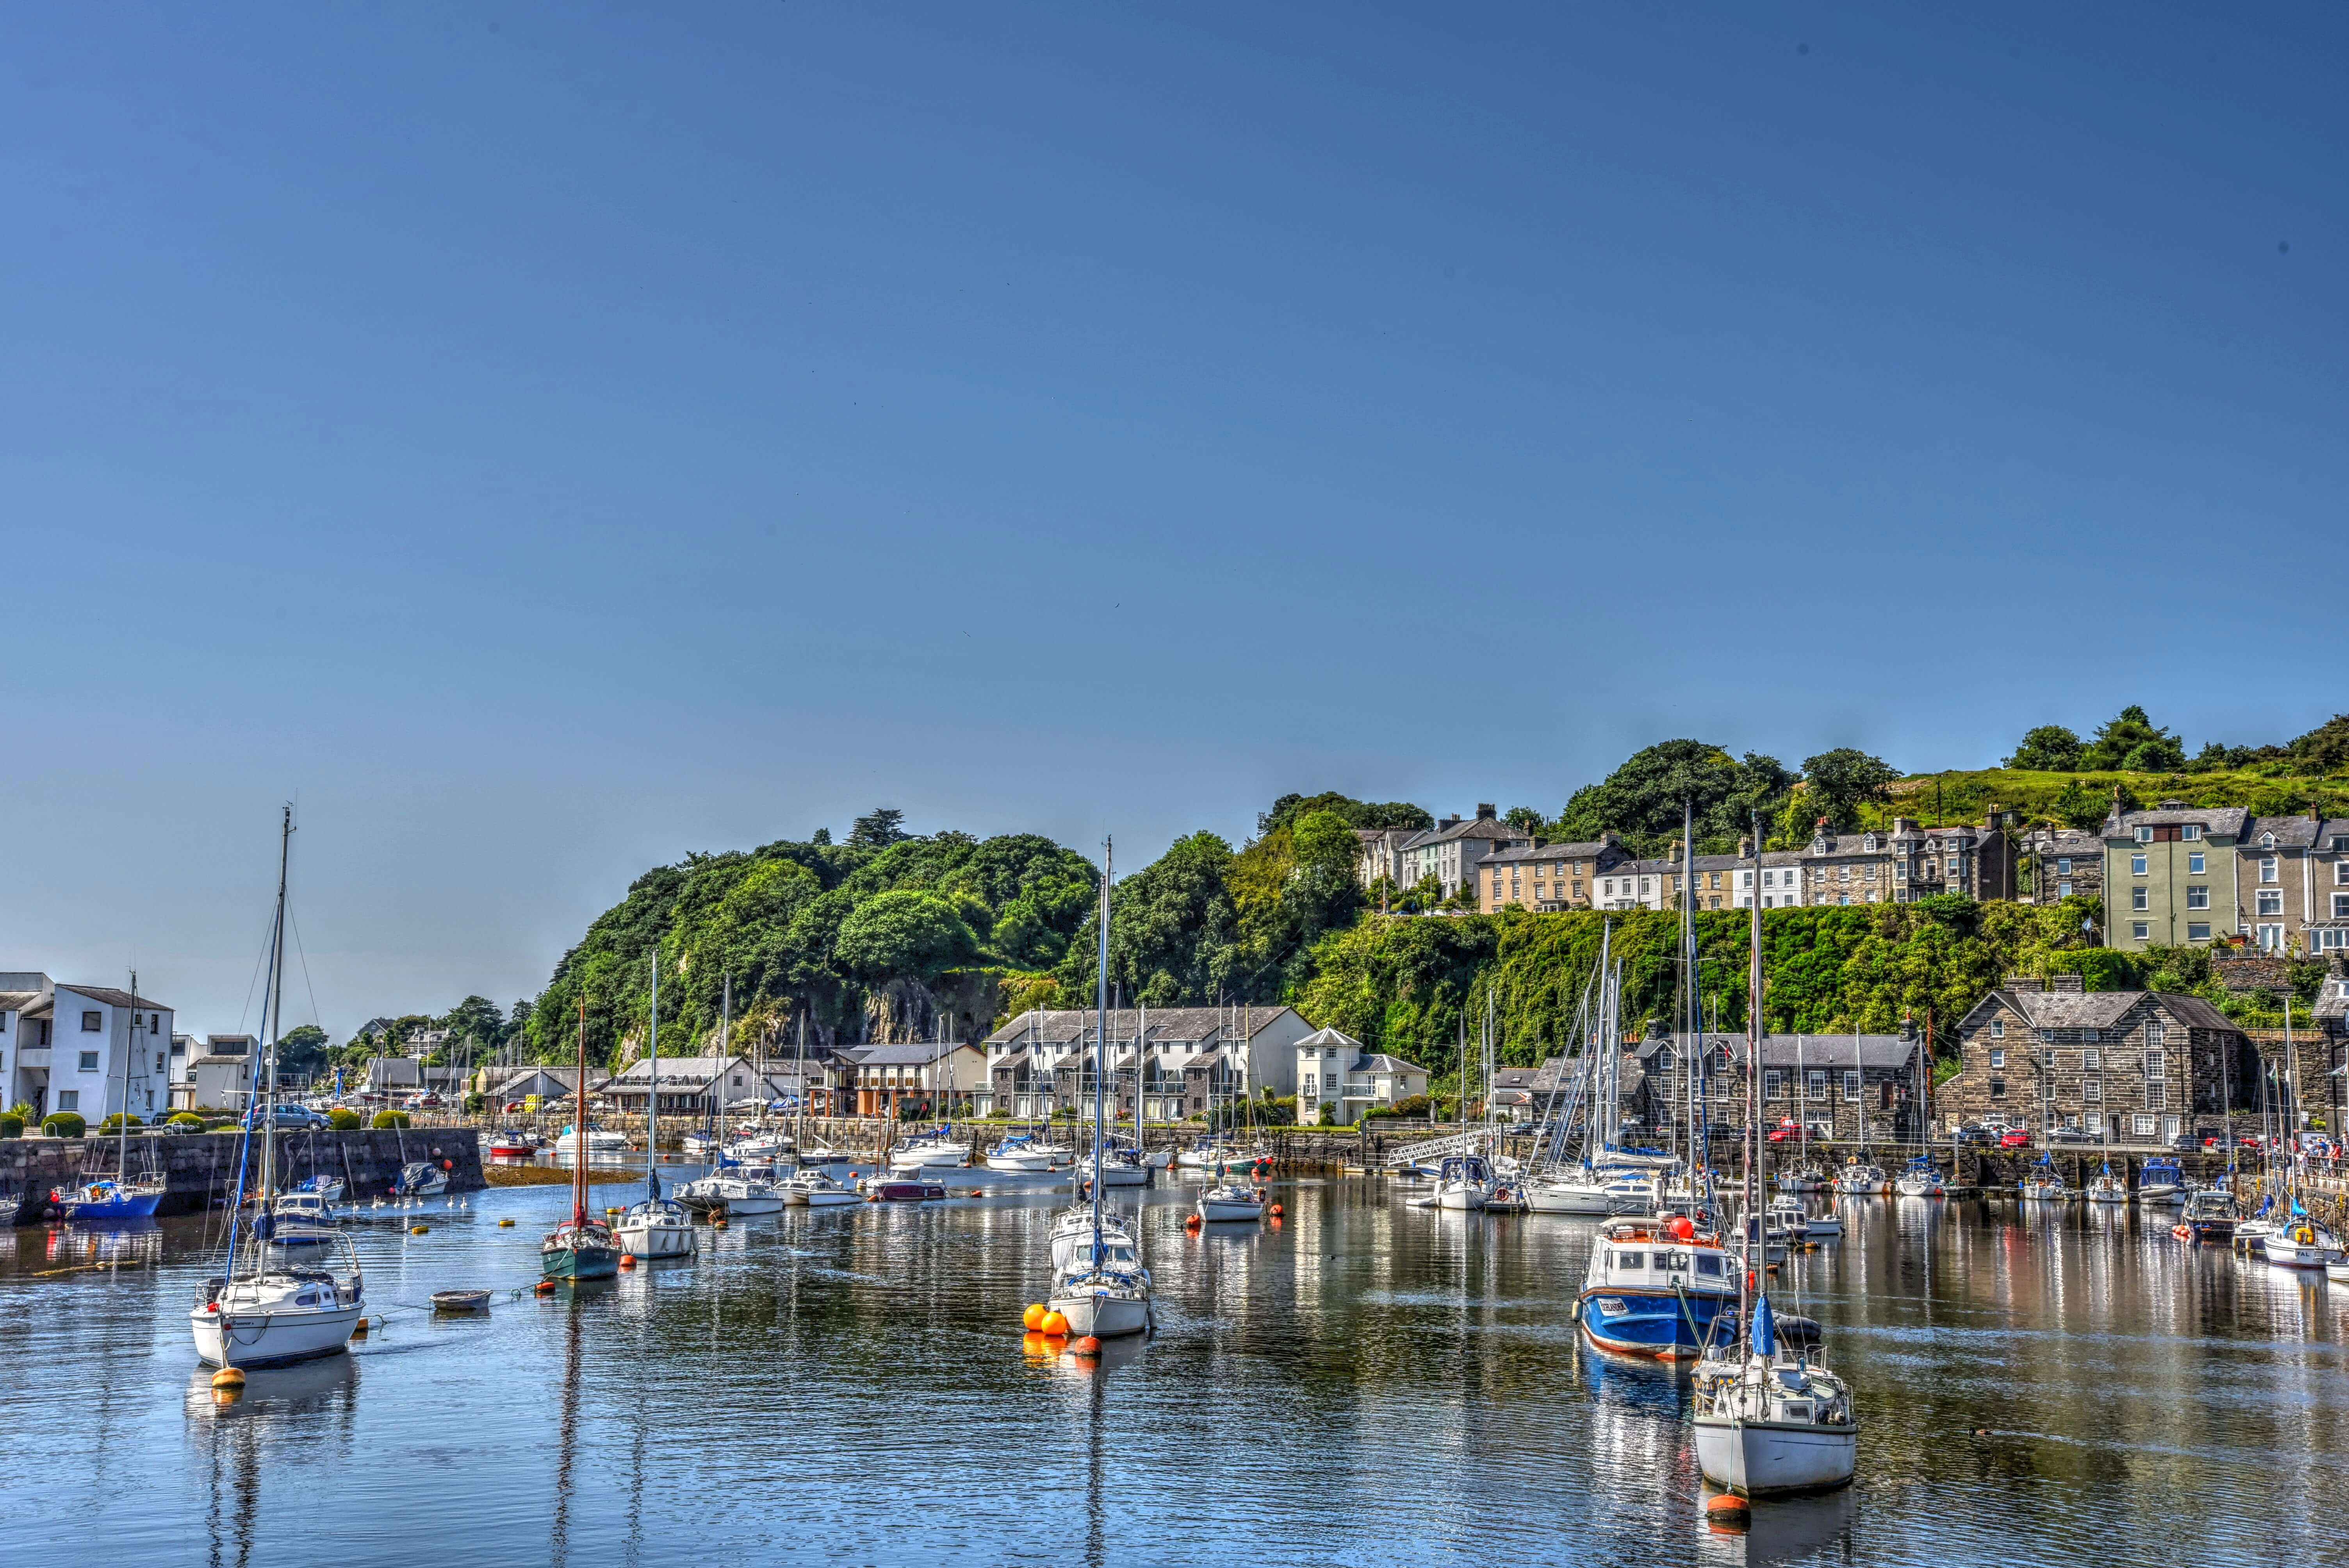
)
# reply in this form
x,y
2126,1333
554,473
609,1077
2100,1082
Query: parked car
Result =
x,y
1787,1128
1974,1134
2015,1138
2072,1135
298,1117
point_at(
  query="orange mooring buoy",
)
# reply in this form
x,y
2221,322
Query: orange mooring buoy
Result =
x,y
1277,1208
1054,1325
1033,1318
546,1287
628,1260
1728,1511
1088,1345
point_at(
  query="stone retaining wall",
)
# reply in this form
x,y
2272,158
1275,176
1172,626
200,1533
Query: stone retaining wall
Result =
x,y
201,1169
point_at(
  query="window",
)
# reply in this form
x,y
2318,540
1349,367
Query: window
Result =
x,y
1843,874
2145,835
1997,1057
1818,1075
2089,1060
2156,1061
1850,1081
2155,1032
70,1099
2198,896
2190,830
2136,869
89,1058
1639,1260
2340,871
159,1056
2140,898
2267,874
2063,890
92,1022
2092,1090
2193,869
1997,1087
2062,869
1997,1026
2339,911
2270,903
2142,1126
2267,841
2141,929
2198,931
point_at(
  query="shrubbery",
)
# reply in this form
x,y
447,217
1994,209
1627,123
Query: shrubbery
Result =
x,y
386,1119
11,1125
116,1123
64,1124
342,1118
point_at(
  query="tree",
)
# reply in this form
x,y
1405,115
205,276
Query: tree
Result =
x,y
1287,810
2049,748
2123,736
302,1051
2078,806
1641,799
878,828
475,1018
1836,783
1173,933
918,935
1525,819
2324,750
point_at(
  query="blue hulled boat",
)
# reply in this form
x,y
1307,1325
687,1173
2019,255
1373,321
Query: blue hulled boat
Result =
x,y
109,1198
1654,1287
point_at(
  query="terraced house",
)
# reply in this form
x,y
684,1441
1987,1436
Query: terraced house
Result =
x,y
2292,882
1548,876
2170,878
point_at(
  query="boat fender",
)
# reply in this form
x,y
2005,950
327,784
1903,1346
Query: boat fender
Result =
x,y
506,1224
546,1287
1033,1318
1276,1211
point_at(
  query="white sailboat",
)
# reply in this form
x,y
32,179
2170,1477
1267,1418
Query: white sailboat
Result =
x,y
655,1226
1029,1152
2107,1187
933,1150
260,1310
1099,1295
1771,1420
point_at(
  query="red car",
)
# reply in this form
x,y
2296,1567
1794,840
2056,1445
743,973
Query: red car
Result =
x,y
2014,1138
1788,1128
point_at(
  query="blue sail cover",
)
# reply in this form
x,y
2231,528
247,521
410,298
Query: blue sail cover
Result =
x,y
1765,1332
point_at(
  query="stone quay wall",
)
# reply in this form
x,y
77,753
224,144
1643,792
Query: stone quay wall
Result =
x,y
200,1170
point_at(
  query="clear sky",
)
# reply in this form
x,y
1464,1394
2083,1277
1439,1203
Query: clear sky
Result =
x,y
545,441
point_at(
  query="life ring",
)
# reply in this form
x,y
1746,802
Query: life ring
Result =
x,y
1500,1194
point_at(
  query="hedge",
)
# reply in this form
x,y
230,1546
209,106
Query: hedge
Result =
x,y
11,1125
342,1118
64,1124
384,1120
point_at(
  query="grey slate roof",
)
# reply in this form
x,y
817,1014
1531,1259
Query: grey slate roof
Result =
x,y
920,1055
1825,1051
2228,821
17,1001
1074,1026
2300,833
114,998
2098,1009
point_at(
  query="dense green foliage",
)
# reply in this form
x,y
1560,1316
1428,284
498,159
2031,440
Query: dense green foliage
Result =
x,y
809,929
342,1118
190,1118
11,1125
1357,813
2130,742
63,1124
1641,800
117,1121
386,1119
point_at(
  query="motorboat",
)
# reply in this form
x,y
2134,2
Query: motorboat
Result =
x,y
1026,1151
1462,1183
109,1198
903,1189
654,1228
936,1150
812,1188
759,1148
1806,1181
2210,1216
300,1219
329,1189
1118,1165
731,1191
1825,1225
1921,1180
598,1141
1231,1201
2302,1243
700,1145
1654,1289
1787,1213
1772,1420
2160,1182
1774,1240
510,1144
2107,1187
2252,1235
1856,1180
420,1178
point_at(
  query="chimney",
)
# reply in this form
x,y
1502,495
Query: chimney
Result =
x,y
2025,983
1674,855
1746,852
2070,984
1908,1026
1444,824
1486,810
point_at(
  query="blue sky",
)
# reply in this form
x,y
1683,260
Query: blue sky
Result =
x,y
544,441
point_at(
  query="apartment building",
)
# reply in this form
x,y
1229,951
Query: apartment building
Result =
x,y
1170,1062
2064,862
2170,878
2291,884
1452,850
90,1049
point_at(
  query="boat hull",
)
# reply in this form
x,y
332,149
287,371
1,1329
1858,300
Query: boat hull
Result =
x,y
580,1262
1216,1211
1102,1314
273,1338
1568,1198
136,1206
1775,1458
651,1242
1038,1161
1663,1325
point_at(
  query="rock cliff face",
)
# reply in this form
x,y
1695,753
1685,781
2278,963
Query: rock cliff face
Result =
x,y
903,1011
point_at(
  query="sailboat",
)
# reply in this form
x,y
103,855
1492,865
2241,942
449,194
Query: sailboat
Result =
x,y
1921,1180
262,1310
119,1196
655,1226
2043,1184
1100,1295
1771,1420
2107,1187
581,1247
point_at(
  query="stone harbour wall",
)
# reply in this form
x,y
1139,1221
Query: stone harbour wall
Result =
x,y
200,1170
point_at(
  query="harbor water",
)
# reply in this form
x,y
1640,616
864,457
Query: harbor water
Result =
x,y
1362,1383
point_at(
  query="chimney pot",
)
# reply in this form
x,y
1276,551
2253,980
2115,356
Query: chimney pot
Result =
x,y
1487,812
2025,983
2073,984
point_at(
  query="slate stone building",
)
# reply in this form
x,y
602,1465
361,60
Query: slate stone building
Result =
x,y
2132,1066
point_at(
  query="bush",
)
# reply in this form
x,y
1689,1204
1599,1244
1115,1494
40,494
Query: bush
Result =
x,y
64,1124
342,1118
385,1119
11,1125
115,1123
1416,1104
184,1119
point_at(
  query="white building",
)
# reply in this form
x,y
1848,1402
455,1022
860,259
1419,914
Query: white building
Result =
x,y
219,1076
1168,1061
1452,849
83,1049
1333,1069
689,1084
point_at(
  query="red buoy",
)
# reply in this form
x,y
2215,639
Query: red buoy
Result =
x,y
1728,1511
1276,1211
1088,1345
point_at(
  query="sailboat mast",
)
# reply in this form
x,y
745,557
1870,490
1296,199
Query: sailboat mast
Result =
x,y
579,1125
122,1158
652,1099
272,1014
1100,1035
1691,1014
1757,1238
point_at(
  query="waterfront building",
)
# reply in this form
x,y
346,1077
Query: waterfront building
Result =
x,y
1335,1073
550,1084
2130,1066
2170,879
1855,1088
1041,1061
83,1049
2065,862
927,1076
689,1086
219,1076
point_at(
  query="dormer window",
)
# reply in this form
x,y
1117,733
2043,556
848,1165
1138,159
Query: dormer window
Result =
x,y
1868,843
2267,841
2145,835
2190,830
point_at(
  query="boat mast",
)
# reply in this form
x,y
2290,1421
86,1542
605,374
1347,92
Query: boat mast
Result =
x,y
1692,1008
272,1014
122,1123
1100,1036
725,1046
579,1126
1757,1238
652,1100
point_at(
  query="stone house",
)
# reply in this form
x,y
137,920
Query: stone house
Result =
x,y
1547,876
2063,863
1383,853
2130,1065
1042,1061
2291,884
2170,879
1855,1088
